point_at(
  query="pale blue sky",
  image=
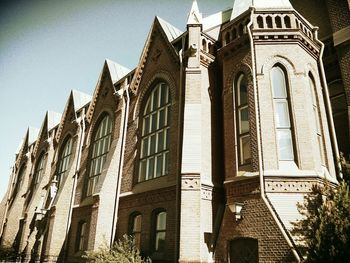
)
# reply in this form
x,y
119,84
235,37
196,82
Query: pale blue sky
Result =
x,y
49,47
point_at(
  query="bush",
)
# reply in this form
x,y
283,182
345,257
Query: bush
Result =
x,y
123,251
325,229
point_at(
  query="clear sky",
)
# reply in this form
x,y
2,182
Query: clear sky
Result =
x,y
49,47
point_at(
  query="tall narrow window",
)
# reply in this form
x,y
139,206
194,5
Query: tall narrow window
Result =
x,y
81,236
243,120
316,113
154,152
64,159
135,228
18,182
39,169
100,148
282,115
160,231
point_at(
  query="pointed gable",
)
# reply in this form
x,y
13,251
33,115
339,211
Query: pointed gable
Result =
x,y
112,72
30,137
76,101
51,120
168,33
194,17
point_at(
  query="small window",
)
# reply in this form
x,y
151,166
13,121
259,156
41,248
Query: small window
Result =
x,y
81,236
100,148
287,22
135,228
317,116
64,160
260,22
282,115
160,231
39,169
269,22
154,152
278,22
243,120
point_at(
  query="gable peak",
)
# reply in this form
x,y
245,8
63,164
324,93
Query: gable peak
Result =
x,y
194,17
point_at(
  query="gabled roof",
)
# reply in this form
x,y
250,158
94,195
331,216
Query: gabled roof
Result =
x,y
53,119
170,31
80,99
32,134
116,71
212,23
240,6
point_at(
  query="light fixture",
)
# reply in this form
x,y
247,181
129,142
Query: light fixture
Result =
x,y
236,208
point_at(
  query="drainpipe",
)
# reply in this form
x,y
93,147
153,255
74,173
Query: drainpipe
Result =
x,y
328,107
75,178
258,135
11,181
179,139
121,159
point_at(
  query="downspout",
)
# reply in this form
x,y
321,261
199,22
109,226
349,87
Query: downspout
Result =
x,y
75,178
328,108
258,135
12,177
121,159
179,139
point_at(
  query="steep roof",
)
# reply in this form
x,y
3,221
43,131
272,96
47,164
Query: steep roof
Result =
x,y
32,134
240,6
116,70
194,17
80,99
53,119
170,31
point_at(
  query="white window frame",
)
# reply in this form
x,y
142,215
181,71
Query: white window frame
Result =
x,y
64,160
154,147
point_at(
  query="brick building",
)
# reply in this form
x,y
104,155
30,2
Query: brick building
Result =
x,y
202,151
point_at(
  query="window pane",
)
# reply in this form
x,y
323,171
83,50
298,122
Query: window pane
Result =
x,y
143,169
153,144
166,162
159,162
245,149
146,122
282,115
242,96
137,223
154,121
285,145
243,120
161,221
144,147
164,96
155,99
160,141
278,83
150,173
160,241
161,118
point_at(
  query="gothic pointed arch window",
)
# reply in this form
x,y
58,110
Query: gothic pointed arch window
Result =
x,y
64,160
283,125
316,112
243,138
39,169
18,182
154,152
99,149
159,221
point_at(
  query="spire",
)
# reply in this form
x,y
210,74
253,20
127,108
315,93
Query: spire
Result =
x,y
240,6
194,17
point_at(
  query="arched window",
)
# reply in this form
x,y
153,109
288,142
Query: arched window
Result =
x,y
243,120
282,115
64,160
260,22
81,236
100,148
278,22
39,169
287,22
317,117
159,230
18,182
154,152
204,45
135,228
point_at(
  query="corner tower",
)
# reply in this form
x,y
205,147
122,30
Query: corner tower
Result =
x,y
277,140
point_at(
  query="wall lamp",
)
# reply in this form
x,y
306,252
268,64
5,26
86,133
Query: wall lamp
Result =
x,y
236,208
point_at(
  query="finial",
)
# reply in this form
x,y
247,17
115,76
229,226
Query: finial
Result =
x,y
194,17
